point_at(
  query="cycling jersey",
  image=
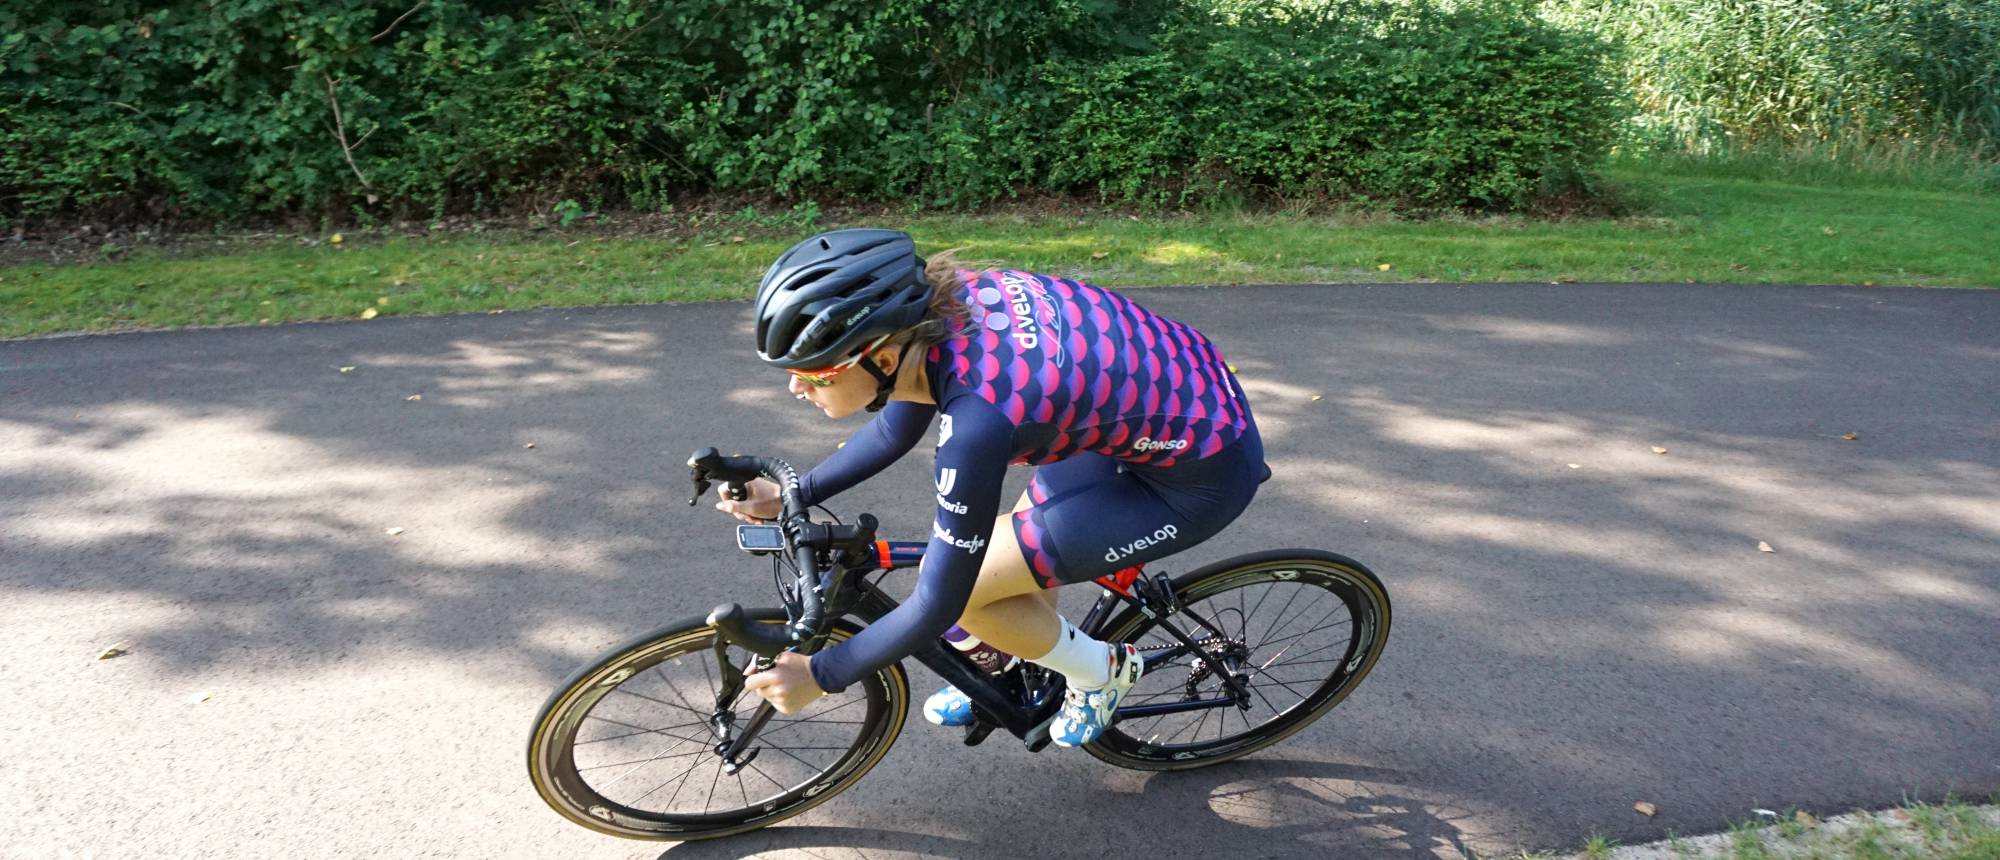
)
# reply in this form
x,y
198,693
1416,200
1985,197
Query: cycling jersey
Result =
x,y
1047,369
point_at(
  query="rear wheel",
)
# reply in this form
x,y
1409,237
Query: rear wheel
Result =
x,y
1301,628
630,745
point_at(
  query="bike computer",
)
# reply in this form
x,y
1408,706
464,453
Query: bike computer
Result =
x,y
760,539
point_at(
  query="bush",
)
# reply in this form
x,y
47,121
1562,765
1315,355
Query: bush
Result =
x,y
1480,104
240,110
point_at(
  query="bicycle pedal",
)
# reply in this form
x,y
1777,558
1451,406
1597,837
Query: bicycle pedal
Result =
x,y
976,733
1038,737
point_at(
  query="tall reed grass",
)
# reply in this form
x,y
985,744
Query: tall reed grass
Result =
x,y
1895,85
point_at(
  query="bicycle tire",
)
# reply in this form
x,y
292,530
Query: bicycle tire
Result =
x,y
1136,744
552,745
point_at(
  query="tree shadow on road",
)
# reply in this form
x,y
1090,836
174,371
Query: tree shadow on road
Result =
x,y
1253,808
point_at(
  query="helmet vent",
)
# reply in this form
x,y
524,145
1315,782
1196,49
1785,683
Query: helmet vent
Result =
x,y
807,278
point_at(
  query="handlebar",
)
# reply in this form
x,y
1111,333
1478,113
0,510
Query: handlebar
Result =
x,y
708,465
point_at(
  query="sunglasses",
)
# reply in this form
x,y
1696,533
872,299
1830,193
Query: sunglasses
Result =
x,y
824,378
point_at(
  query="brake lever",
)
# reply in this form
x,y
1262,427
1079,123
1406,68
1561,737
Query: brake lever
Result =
x,y
701,486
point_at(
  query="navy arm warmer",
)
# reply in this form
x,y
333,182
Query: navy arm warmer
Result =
x,y
871,449
975,444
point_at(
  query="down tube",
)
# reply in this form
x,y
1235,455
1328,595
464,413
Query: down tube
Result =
x,y
953,667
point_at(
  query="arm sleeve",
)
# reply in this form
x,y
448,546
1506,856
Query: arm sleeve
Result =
x,y
871,449
971,464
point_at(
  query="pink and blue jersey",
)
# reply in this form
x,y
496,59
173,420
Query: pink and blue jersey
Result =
x,y
1090,370
1047,369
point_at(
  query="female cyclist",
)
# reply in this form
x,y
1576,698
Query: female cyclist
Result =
x,y
1144,441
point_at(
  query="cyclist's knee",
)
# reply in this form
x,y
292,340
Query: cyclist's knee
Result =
x,y
1004,572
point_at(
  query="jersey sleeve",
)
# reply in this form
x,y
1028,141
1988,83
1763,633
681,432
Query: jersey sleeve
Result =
x,y
870,450
976,444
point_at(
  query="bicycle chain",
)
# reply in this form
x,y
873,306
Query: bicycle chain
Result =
x,y
1203,642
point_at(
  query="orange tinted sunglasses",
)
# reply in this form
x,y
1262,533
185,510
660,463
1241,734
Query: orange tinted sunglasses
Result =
x,y
824,378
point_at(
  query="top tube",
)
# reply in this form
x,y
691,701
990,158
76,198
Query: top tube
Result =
x,y
899,554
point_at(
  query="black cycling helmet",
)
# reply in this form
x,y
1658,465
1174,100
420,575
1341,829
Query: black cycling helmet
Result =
x,y
833,294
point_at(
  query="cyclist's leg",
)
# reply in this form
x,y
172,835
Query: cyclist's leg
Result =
x,y
1091,516
1031,612
1138,515
1009,609
1027,500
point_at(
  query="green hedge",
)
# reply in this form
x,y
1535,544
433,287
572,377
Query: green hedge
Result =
x,y
243,110
1482,104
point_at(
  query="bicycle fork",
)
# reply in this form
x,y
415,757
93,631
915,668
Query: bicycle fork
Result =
x,y
734,628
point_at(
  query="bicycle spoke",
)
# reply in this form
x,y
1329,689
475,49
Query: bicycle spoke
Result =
x,y
1275,710
797,759
1175,736
639,731
1282,612
710,799
1253,610
631,735
781,786
1269,642
814,717
1310,628
679,783
1311,662
1336,644
688,708
1301,696
643,751
1283,618
1149,728
793,723
671,685
1241,616
643,761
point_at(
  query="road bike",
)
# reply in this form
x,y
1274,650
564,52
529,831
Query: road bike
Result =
x,y
657,739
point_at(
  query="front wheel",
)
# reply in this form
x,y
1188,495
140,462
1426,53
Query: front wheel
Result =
x,y
1300,628
630,745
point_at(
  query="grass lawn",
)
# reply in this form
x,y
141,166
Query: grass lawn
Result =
x,y
1687,226
1952,830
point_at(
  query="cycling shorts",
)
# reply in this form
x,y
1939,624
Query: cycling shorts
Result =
x,y
1094,515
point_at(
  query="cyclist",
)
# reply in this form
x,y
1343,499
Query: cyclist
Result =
x,y
1144,441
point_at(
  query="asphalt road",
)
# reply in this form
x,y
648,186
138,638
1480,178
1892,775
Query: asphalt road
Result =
x,y
1581,623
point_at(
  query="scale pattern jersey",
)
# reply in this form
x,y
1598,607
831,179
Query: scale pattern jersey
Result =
x,y
1080,368
1048,368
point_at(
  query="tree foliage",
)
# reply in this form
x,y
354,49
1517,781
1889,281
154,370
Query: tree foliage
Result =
x,y
235,110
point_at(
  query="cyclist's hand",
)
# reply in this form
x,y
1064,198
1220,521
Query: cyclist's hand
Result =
x,y
761,502
788,685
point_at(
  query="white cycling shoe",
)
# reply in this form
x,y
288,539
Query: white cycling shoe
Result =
x,y
948,707
1086,713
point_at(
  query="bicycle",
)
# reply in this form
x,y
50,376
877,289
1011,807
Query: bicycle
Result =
x,y
625,713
